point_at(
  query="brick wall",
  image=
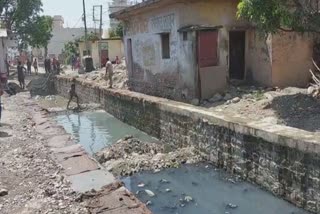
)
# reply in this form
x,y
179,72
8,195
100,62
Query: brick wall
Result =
x,y
284,161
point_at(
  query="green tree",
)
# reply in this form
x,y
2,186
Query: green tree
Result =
x,y
70,49
39,33
16,15
119,30
270,16
90,37
116,31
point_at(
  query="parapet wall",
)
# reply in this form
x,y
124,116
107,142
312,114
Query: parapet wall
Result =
x,y
283,160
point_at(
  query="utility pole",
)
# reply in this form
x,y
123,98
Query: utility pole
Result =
x,y
100,43
85,28
100,28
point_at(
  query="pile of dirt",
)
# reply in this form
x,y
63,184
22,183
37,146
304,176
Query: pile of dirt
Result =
x,y
294,107
130,155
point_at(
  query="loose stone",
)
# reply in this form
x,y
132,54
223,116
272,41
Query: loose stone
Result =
x,y
3,192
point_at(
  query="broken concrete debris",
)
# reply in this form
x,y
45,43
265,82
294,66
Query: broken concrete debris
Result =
x,y
130,155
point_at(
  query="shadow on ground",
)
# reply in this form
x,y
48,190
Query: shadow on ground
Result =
x,y
298,111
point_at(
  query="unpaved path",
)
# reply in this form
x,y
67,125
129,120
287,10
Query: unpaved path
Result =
x,y
32,179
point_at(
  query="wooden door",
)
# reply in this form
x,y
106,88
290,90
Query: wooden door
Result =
x,y
207,48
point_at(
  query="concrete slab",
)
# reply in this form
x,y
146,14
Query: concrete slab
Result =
x,y
91,180
115,199
127,210
60,141
65,156
68,149
52,131
77,165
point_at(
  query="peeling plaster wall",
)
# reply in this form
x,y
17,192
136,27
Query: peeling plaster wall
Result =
x,y
292,59
171,78
258,58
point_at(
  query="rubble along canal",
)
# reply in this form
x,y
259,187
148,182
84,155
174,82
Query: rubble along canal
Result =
x,y
186,190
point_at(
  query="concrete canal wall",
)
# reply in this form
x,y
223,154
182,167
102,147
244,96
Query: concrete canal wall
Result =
x,y
283,160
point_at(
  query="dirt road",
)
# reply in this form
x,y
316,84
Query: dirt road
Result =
x,y
30,181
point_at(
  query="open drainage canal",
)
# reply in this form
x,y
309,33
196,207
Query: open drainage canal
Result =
x,y
187,190
97,130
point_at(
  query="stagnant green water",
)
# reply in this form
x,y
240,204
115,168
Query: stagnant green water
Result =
x,y
211,190
97,130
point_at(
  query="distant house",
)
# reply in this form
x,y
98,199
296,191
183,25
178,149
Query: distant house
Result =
x,y
189,49
111,48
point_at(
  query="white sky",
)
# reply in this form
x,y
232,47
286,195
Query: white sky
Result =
x,y
72,10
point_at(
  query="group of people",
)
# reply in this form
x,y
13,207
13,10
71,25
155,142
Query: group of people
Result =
x,y
51,65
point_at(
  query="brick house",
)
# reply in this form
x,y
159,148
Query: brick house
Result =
x,y
189,49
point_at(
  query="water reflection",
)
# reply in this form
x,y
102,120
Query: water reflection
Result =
x,y
96,130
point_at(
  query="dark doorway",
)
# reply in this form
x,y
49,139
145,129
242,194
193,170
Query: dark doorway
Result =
x,y
237,41
129,56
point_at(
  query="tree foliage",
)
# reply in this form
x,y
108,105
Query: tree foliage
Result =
x,y
21,17
270,16
90,37
16,14
70,49
116,31
39,32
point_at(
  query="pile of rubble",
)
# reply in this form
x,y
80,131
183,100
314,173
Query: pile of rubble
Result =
x,y
130,155
120,76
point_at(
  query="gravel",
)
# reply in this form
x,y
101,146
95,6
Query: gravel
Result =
x,y
30,181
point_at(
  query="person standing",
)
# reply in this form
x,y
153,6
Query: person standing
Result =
x,y
21,70
29,66
35,66
3,85
54,64
46,65
7,65
109,72
73,62
72,93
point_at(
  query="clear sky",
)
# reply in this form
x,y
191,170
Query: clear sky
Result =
x,y
72,11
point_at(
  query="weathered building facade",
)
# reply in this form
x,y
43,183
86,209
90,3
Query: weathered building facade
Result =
x,y
101,50
190,49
